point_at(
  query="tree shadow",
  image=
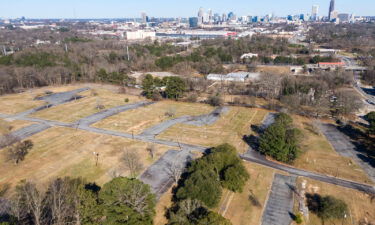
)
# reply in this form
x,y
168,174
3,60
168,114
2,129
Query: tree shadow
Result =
x,y
293,216
362,143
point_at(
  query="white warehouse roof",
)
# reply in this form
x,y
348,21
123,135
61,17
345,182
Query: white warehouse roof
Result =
x,y
236,77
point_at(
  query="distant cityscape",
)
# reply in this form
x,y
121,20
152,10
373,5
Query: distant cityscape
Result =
x,y
205,24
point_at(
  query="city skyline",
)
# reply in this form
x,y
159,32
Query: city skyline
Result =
x,y
169,8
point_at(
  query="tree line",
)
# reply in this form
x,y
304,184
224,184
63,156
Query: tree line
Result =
x,y
74,201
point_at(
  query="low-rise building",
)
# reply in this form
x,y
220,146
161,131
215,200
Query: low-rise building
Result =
x,y
331,65
234,77
249,56
139,35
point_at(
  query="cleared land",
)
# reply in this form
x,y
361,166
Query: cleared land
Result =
x,y
75,110
138,120
6,126
68,152
230,128
16,103
237,207
319,156
361,208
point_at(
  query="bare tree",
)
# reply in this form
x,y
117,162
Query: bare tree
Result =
x,y
132,162
17,152
136,198
58,200
171,112
151,149
33,201
175,171
99,105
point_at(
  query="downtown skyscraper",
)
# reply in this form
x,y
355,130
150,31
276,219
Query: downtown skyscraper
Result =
x,y
331,9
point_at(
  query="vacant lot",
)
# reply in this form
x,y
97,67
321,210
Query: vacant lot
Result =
x,y
75,110
319,156
16,103
361,208
237,207
13,125
138,120
69,152
230,128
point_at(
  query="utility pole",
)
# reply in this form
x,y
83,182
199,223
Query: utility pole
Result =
x,y
97,158
127,52
66,47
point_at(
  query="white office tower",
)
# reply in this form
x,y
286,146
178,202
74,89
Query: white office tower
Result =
x,y
314,12
201,16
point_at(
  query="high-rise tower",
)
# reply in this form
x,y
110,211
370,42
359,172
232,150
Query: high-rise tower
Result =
x,y
314,12
331,9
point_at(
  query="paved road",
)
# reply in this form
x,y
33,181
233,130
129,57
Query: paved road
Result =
x,y
250,156
53,100
280,203
87,121
255,157
350,62
191,120
343,145
160,174
24,133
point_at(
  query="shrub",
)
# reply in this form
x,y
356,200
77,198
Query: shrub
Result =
x,y
215,100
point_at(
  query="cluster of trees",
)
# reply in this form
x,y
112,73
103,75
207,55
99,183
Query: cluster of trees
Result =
x,y
73,201
281,139
115,78
168,87
370,117
201,186
327,207
322,94
356,38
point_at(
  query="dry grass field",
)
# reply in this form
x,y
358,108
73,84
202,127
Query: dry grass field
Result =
x,y
68,152
230,128
75,110
7,126
137,120
16,103
282,70
361,208
319,156
237,207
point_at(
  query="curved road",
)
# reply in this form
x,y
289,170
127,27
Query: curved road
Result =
x,y
250,156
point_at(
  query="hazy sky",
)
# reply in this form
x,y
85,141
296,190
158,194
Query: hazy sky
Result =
x,y
171,8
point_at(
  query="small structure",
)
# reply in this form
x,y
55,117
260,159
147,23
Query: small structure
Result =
x,y
139,35
331,65
327,50
234,77
249,56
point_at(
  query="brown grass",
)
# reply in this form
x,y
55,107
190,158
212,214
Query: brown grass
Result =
x,y
274,69
75,110
140,119
240,211
319,156
360,205
7,126
16,103
230,128
69,152
164,203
